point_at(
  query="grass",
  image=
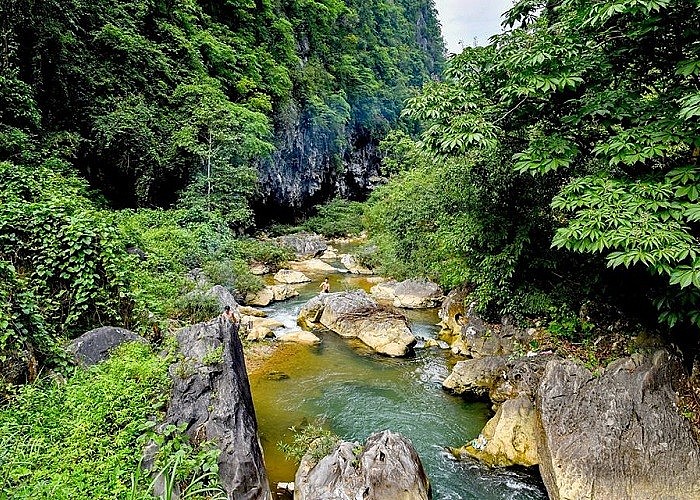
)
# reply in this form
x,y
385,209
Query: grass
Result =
x,y
79,439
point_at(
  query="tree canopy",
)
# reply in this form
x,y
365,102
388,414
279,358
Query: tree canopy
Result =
x,y
595,106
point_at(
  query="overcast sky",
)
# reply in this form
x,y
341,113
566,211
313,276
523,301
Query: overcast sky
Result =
x,y
464,20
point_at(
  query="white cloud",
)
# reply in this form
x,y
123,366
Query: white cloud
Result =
x,y
463,21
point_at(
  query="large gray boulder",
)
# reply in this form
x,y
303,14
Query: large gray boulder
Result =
x,y
304,244
211,395
410,294
618,435
387,467
94,346
357,315
222,296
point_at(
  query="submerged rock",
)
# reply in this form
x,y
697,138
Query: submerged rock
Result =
x,y
386,467
410,294
356,314
94,346
211,396
618,435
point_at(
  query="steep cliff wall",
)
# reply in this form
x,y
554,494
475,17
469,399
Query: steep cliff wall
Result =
x,y
348,92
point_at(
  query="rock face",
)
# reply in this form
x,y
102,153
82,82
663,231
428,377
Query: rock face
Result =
x,y
509,437
304,169
387,467
471,336
212,397
453,309
497,378
304,244
290,277
94,346
616,436
410,294
356,314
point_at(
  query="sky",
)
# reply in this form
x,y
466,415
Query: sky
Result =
x,y
464,20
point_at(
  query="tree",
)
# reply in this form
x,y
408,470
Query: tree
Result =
x,y
601,98
227,137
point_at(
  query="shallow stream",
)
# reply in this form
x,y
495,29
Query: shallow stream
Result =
x,y
356,393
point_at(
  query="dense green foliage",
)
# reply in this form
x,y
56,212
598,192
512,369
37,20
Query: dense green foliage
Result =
x,y
82,438
62,265
590,106
78,439
173,242
146,97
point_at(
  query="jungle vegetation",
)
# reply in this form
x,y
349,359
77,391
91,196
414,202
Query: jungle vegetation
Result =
x,y
558,164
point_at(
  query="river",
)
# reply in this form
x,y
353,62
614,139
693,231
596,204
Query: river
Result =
x,y
355,393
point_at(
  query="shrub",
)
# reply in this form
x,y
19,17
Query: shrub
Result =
x,y
337,218
313,439
80,439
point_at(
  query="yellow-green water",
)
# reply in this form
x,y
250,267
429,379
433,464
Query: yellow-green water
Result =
x,y
356,393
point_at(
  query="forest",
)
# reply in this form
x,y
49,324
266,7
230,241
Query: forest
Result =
x,y
553,172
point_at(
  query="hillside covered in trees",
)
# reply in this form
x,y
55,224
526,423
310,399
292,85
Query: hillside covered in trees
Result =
x,y
138,95
558,165
177,104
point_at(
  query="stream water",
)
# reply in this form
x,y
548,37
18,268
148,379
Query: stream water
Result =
x,y
356,393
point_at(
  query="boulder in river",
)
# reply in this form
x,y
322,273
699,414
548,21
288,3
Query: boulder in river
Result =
x,y
356,314
385,467
289,276
353,266
304,244
509,437
410,294
618,435
94,346
300,337
211,396
274,293
312,266
257,328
